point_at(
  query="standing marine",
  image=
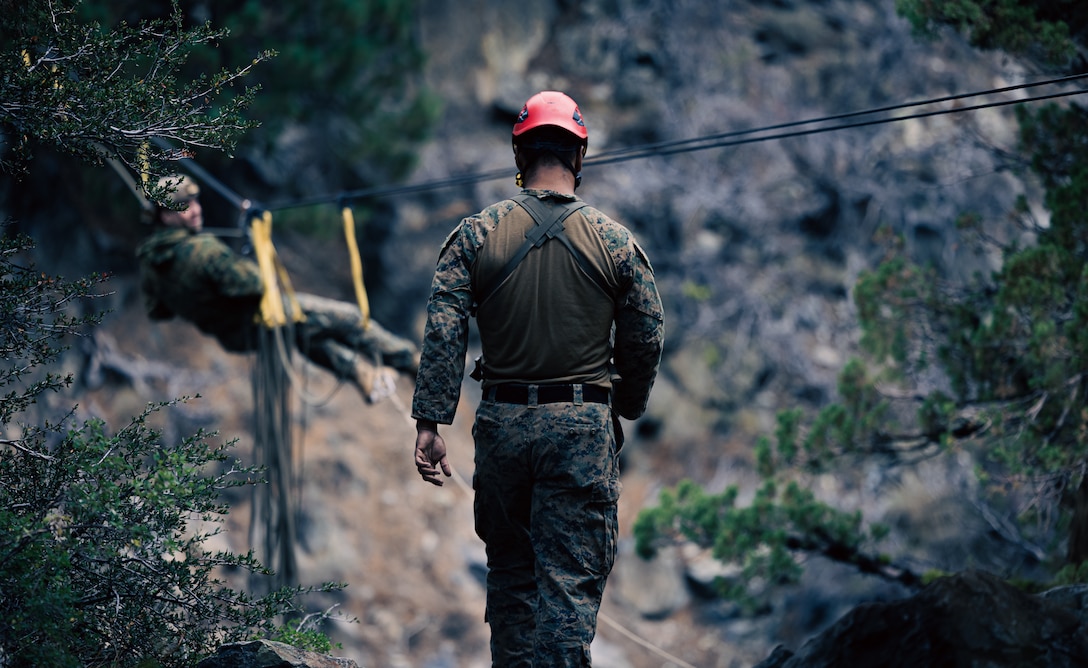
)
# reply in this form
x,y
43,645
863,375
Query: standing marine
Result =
x,y
571,328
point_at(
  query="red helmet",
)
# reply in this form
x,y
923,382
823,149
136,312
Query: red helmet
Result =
x,y
551,108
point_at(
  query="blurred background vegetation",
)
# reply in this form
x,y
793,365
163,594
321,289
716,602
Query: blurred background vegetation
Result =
x,y
338,103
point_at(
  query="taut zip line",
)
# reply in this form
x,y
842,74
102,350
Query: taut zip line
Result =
x,y
723,139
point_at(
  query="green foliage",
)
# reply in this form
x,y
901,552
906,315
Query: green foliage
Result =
x,y
99,93
847,425
1072,574
888,300
763,537
784,518
1017,26
309,639
698,292
340,61
936,415
32,304
932,575
102,558
348,69
1012,346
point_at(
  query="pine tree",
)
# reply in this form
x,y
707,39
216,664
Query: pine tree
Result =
x,y
1012,348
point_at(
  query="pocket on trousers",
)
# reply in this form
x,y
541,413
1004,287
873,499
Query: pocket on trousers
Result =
x,y
605,500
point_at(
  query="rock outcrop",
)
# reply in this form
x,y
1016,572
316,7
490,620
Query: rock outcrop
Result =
x,y
970,620
270,654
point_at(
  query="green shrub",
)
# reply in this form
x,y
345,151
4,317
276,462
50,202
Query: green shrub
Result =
x,y
102,535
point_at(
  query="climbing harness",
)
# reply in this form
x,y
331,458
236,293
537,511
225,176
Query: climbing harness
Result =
x,y
549,225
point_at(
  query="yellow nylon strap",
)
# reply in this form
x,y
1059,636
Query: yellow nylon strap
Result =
x,y
145,164
273,275
356,266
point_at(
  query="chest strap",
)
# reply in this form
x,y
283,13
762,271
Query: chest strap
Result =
x,y
549,219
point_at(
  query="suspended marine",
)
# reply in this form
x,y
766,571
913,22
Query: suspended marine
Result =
x,y
190,274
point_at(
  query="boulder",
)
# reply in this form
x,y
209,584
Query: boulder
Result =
x,y
271,654
970,620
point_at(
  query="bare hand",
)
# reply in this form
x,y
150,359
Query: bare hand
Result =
x,y
431,454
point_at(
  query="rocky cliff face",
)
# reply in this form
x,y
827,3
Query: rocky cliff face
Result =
x,y
941,626
756,246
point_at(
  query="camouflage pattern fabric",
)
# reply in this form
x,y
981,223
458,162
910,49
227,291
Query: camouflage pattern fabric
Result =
x,y
639,316
546,477
200,279
547,483
334,331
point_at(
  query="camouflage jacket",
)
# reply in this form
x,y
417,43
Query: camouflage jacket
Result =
x,y
637,314
199,278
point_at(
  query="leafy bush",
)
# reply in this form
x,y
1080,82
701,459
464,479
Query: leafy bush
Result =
x,y
1012,348
98,93
102,556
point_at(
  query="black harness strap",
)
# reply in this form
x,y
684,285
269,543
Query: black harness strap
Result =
x,y
549,225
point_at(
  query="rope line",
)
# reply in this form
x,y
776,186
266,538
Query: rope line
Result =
x,y
273,522
604,158
717,140
293,379
632,636
801,133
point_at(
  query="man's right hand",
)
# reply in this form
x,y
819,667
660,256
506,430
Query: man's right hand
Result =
x,y
431,453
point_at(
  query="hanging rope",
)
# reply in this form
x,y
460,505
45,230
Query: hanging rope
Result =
x,y
273,515
272,527
356,265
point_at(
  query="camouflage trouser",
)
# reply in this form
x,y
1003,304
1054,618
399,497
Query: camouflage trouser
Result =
x,y
332,335
547,483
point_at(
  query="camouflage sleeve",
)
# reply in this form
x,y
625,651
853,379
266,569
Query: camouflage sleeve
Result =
x,y
155,307
232,274
640,334
445,338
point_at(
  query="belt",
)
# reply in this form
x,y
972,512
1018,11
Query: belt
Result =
x,y
517,393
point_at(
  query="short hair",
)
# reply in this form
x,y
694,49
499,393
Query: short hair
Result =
x,y
548,144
